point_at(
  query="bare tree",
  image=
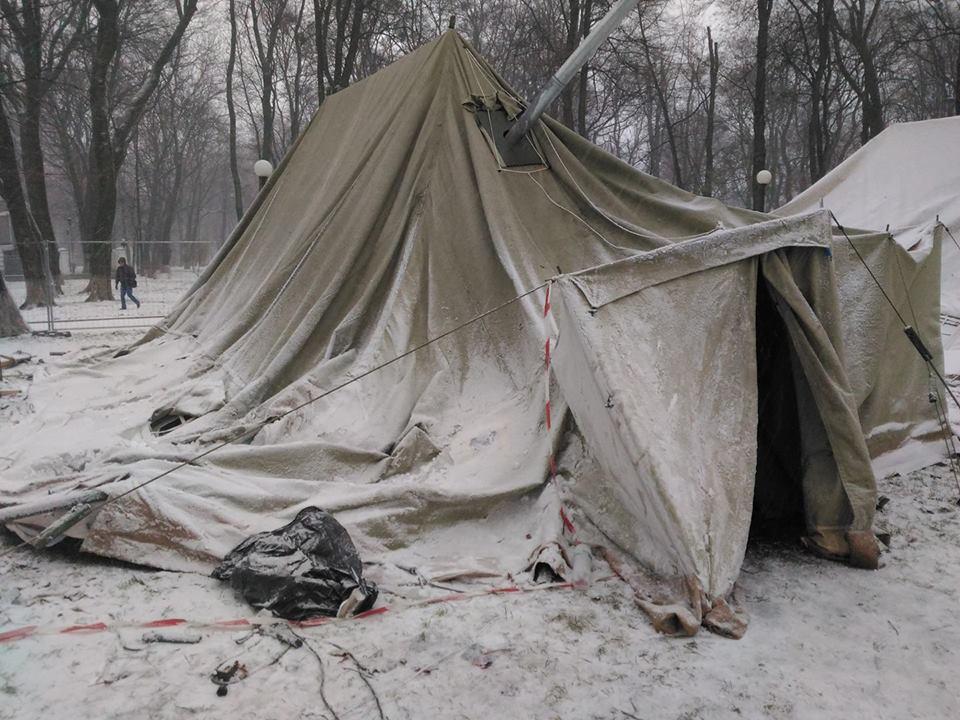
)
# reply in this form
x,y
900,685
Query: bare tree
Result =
x,y
932,42
43,37
713,50
177,134
586,23
232,111
764,9
25,234
798,102
856,26
659,86
293,59
267,19
338,31
111,135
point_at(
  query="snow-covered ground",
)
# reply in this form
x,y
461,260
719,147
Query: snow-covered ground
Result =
x,y
825,641
157,295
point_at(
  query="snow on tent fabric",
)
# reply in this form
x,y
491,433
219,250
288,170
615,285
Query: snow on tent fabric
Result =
x,y
389,223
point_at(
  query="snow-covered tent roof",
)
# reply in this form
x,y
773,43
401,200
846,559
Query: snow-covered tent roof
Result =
x,y
679,327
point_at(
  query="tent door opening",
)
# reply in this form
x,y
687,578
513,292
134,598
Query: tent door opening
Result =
x,y
778,491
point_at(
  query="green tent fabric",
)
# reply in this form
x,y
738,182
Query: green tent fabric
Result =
x,y
392,222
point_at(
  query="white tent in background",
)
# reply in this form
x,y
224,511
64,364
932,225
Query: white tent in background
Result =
x,y
906,177
909,175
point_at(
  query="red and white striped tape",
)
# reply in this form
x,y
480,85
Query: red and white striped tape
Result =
x,y
549,331
99,627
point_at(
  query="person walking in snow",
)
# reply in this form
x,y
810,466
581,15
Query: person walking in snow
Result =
x,y
126,281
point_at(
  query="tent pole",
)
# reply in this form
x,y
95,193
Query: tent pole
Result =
x,y
562,77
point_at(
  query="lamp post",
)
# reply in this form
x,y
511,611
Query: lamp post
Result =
x,y
262,169
763,179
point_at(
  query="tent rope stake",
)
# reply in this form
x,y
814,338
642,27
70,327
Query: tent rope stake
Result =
x,y
250,432
912,335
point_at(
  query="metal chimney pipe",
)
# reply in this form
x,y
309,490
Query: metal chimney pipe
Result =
x,y
562,77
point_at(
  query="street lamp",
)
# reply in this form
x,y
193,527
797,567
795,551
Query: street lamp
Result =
x,y
262,169
763,179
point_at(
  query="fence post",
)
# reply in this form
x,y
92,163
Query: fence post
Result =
x,y
48,288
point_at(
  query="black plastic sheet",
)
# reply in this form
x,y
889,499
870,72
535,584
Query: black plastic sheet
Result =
x,y
304,569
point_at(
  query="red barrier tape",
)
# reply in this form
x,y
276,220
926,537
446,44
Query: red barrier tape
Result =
x,y
548,419
98,627
93,627
18,633
165,622
567,525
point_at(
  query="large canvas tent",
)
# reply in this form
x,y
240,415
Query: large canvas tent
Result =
x,y
698,353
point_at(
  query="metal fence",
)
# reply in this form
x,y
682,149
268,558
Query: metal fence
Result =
x,y
71,313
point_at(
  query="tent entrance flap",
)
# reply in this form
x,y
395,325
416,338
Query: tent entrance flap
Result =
x,y
778,490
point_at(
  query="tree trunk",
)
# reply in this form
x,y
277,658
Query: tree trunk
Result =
x,y
817,146
24,231
266,55
232,113
34,177
169,210
664,109
11,321
873,122
764,8
714,51
26,25
861,24
956,80
572,39
100,201
653,118
295,92
321,24
586,22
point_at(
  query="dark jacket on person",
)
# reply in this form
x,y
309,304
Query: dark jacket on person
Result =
x,y
126,275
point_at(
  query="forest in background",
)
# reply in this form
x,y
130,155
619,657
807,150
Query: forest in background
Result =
x,y
138,121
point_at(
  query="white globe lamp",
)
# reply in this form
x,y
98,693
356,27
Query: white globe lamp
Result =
x,y
262,169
